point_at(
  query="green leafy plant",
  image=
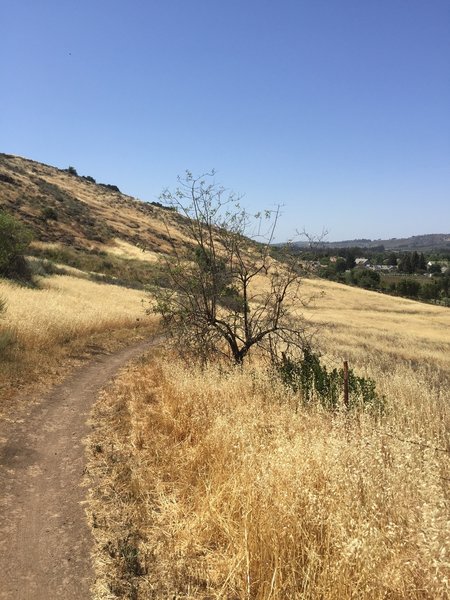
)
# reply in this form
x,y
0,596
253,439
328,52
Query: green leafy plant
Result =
x,y
315,382
14,240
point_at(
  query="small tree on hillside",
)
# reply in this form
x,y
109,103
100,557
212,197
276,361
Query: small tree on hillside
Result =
x,y
226,294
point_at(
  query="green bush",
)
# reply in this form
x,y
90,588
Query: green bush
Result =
x,y
408,287
14,240
49,213
316,383
366,278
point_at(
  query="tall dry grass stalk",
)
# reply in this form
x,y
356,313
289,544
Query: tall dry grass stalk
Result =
x,y
222,485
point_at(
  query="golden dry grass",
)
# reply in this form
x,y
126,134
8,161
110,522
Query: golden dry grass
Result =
x,y
218,484
45,323
65,307
353,317
124,249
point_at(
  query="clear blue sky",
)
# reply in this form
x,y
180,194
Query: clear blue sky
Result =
x,y
338,109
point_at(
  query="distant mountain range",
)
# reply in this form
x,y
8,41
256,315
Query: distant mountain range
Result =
x,y
422,243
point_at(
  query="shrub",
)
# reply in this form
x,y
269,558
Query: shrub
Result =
x,y
14,240
313,380
109,186
49,213
408,287
429,291
366,279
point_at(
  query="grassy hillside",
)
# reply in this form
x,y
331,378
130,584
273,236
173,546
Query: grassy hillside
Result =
x,y
223,484
67,210
47,329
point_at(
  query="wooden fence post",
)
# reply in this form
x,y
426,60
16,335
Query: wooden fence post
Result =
x,y
346,401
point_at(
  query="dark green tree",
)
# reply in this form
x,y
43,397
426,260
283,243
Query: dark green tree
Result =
x,y
350,255
414,258
422,262
408,287
340,265
392,259
405,265
444,285
367,279
430,291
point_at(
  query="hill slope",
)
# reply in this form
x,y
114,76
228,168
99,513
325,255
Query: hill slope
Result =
x,y
71,210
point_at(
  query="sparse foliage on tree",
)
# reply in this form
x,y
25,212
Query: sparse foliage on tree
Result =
x,y
226,295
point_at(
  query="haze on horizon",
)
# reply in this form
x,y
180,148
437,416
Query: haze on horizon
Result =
x,y
337,110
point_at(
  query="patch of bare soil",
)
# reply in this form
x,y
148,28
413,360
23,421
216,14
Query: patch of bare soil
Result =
x,y
45,541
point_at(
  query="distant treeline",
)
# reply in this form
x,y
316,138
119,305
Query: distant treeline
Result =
x,y
385,271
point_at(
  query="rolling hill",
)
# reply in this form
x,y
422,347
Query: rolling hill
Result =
x,y
62,208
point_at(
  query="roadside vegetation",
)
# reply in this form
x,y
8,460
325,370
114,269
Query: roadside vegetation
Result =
x,y
47,316
221,475
226,483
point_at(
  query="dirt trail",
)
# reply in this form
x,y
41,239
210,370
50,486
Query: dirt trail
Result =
x,y
45,541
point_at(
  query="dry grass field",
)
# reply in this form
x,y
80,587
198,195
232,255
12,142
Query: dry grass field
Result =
x,y
222,484
43,325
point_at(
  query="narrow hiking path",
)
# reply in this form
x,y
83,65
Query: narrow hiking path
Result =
x,y
45,541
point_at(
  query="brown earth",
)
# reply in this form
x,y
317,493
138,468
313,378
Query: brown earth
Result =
x,y
45,541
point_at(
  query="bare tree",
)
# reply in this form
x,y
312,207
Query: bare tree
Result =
x,y
227,294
